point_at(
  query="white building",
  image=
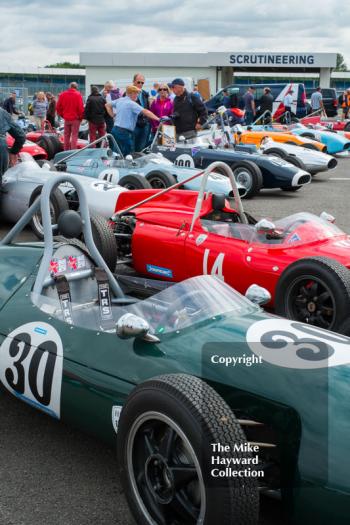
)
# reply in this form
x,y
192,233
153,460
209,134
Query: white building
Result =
x,y
219,68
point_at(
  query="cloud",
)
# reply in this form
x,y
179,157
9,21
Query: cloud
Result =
x,y
38,32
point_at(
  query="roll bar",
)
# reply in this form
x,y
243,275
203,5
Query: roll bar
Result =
x,y
44,203
267,112
97,141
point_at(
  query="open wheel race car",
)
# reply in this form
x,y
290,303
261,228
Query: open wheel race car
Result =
x,y
136,171
201,432
302,260
251,169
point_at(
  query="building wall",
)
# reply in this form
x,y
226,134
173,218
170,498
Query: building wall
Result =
x,y
100,74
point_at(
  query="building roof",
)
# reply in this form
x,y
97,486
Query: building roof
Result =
x,y
43,71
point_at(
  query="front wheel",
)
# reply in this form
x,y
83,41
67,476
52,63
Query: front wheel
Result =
x,y
249,176
134,182
315,290
165,436
160,179
104,240
58,204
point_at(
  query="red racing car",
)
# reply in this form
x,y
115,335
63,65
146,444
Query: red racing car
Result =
x,y
51,140
302,259
336,125
33,149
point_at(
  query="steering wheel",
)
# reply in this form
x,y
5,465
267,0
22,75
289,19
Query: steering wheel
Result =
x,y
185,313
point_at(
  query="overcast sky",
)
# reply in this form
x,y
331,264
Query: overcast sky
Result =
x,y
37,33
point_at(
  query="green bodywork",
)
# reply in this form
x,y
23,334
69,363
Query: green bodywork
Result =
x,y
308,410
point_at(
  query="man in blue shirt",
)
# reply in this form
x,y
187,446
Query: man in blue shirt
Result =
x,y
126,111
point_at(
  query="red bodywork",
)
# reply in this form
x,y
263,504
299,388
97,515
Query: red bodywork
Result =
x,y
34,136
163,245
29,147
337,125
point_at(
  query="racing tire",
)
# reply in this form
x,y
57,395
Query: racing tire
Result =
x,y
315,290
276,153
58,204
249,176
45,143
347,126
311,146
307,135
165,435
104,240
291,188
134,182
160,179
48,164
56,144
296,162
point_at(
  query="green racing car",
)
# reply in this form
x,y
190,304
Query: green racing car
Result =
x,y
212,403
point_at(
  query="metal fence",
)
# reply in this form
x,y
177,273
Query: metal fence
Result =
x,y
22,99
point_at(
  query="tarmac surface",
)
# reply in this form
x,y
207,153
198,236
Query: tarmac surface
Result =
x,y
52,474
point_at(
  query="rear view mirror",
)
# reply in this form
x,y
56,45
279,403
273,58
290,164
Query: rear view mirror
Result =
x,y
132,326
258,295
264,226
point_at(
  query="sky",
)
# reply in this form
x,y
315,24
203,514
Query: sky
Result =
x,y
38,33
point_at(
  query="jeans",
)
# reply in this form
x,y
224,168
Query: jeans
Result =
x,y
249,117
96,131
125,140
71,130
142,136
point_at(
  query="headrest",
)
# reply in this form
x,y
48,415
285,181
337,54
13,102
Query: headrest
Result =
x,y
218,201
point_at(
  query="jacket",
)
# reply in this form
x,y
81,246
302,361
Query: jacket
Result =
x,y
9,106
161,109
188,108
95,109
70,105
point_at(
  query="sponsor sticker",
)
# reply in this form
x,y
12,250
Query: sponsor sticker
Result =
x,y
158,270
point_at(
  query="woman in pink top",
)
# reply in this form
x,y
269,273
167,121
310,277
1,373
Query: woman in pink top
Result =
x,y
162,106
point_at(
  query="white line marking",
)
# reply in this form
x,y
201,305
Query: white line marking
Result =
x,y
340,178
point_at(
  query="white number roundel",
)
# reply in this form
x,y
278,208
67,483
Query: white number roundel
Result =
x,y
291,344
31,362
184,160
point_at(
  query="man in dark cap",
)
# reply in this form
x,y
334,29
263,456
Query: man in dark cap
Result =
x,y
189,111
265,103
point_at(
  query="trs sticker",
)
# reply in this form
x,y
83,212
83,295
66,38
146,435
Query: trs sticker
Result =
x,y
295,345
184,160
31,360
116,411
158,270
201,238
216,269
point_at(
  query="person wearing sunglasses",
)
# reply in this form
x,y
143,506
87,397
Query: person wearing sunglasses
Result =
x,y
143,128
162,105
126,111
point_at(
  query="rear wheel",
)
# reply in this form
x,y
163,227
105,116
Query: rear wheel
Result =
x,y
105,240
310,146
249,176
296,162
45,143
165,436
58,204
160,179
276,152
315,290
134,182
